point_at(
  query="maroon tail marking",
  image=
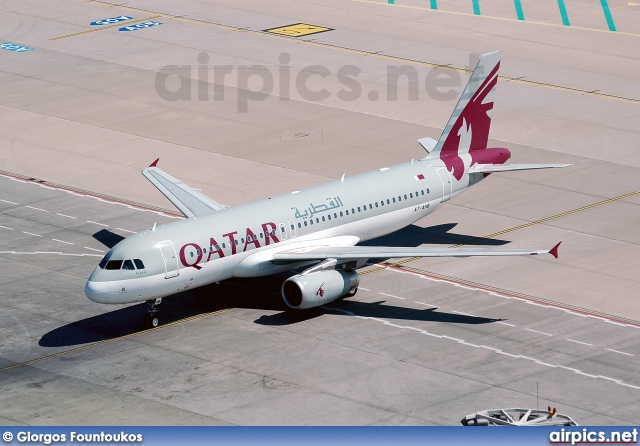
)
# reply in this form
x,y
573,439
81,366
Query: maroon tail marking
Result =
x,y
475,114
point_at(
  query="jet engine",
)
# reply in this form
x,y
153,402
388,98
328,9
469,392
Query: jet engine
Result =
x,y
313,289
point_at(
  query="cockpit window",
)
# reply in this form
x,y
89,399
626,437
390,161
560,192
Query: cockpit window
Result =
x,y
114,264
128,264
138,263
103,262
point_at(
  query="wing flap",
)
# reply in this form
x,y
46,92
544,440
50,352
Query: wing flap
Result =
x,y
347,253
188,200
488,168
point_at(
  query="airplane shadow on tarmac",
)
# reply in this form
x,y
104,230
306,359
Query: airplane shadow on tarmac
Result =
x,y
262,294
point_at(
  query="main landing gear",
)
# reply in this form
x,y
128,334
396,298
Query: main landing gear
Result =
x,y
151,319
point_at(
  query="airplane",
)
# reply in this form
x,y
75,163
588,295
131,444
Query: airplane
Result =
x,y
317,228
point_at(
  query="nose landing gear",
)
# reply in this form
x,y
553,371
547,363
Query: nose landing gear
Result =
x,y
151,319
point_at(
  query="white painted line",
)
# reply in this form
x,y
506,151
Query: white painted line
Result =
x,y
579,342
62,215
37,235
96,223
536,304
574,313
493,349
539,332
61,241
5,227
7,201
37,209
504,323
86,247
125,230
464,314
391,295
616,351
422,303
365,289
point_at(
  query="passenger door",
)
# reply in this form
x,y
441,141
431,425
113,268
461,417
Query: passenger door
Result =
x,y
170,258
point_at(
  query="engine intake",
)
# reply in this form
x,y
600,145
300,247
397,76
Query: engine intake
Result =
x,y
311,290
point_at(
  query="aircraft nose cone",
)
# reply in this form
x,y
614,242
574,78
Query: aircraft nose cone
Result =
x,y
98,291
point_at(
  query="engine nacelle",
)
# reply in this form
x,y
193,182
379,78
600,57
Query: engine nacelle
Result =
x,y
314,289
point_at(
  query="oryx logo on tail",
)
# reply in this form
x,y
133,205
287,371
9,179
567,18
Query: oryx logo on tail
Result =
x,y
468,127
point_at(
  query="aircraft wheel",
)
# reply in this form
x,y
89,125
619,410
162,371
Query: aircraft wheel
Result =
x,y
352,292
150,321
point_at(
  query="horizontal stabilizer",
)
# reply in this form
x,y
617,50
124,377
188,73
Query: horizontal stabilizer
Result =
x,y
488,168
187,199
427,144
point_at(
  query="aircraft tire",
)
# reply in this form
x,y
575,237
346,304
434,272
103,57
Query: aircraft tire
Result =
x,y
150,321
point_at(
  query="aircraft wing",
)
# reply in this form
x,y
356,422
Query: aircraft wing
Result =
x,y
188,200
348,253
488,168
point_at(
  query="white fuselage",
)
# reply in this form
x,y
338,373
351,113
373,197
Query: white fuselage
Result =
x,y
240,241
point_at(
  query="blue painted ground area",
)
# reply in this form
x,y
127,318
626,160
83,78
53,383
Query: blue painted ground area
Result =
x,y
139,26
15,48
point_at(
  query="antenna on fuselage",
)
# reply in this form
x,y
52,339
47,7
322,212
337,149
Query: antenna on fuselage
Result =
x,y
154,226
342,179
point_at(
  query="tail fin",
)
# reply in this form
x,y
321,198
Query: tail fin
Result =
x,y
468,126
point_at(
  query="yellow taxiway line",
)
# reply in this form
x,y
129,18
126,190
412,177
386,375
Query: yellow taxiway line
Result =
x,y
515,228
123,23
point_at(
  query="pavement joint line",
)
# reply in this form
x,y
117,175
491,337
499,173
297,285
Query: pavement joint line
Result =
x,y
543,220
123,23
396,58
106,341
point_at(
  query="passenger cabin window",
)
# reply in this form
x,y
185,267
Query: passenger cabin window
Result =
x,y
128,264
138,263
114,264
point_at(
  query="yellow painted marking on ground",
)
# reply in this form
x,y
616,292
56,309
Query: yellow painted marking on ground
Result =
x,y
506,19
120,24
95,344
388,57
633,4
543,220
298,30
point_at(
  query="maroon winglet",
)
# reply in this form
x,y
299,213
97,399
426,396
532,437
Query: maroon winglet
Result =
x,y
153,164
554,251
